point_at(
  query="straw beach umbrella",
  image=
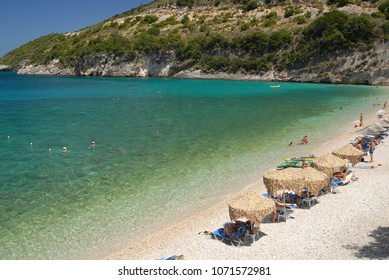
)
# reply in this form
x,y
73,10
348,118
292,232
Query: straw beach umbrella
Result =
x,y
295,179
314,180
329,164
251,206
349,152
372,129
284,179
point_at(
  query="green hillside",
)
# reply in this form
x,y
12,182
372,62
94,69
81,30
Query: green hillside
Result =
x,y
230,36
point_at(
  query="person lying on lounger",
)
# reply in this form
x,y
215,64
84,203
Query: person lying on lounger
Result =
x,y
281,205
339,175
230,229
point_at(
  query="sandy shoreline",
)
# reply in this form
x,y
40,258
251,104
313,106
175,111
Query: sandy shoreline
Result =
x,y
352,224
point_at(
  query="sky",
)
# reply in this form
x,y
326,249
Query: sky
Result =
x,y
22,21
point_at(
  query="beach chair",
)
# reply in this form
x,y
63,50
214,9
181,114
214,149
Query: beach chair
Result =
x,y
283,213
289,209
347,180
237,240
173,258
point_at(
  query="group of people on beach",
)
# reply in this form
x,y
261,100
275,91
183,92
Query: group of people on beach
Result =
x,y
367,144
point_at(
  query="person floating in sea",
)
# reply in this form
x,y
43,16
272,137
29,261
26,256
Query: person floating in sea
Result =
x,y
290,144
304,140
64,150
92,145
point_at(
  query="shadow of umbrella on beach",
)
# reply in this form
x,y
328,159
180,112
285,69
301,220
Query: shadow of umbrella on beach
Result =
x,y
251,206
381,112
384,122
295,179
349,152
329,164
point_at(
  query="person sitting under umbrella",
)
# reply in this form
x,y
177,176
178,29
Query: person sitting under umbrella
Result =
x,y
281,207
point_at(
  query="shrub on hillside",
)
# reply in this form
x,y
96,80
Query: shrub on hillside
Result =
x,y
185,3
385,28
339,3
384,8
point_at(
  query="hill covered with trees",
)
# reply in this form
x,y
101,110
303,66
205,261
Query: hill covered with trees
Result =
x,y
336,41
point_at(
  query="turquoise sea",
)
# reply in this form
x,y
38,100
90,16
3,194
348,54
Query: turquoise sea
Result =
x,y
165,149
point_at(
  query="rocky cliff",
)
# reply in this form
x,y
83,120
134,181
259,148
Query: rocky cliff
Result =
x,y
370,67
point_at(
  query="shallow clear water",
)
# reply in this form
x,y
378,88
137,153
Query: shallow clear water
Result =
x,y
165,149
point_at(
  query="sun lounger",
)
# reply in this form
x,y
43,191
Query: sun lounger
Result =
x,y
173,257
346,180
237,240
290,208
283,213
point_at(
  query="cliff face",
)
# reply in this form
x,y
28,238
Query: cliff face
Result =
x,y
370,67
155,65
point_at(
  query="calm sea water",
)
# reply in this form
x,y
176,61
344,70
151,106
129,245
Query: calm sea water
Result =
x,y
165,149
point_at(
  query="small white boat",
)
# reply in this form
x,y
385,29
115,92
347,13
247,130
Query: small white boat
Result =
x,y
277,86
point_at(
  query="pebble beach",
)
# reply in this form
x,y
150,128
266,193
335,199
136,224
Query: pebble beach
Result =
x,y
351,224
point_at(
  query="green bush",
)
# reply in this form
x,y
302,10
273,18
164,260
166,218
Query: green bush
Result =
x,y
378,15
385,28
291,11
185,20
279,39
169,21
154,30
254,43
149,19
185,3
383,7
326,25
300,19
339,3
270,19
360,30
251,5
245,26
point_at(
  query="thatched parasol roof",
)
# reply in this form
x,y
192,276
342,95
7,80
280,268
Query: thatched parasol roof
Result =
x,y
288,178
315,180
251,206
372,129
349,152
329,164
295,180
